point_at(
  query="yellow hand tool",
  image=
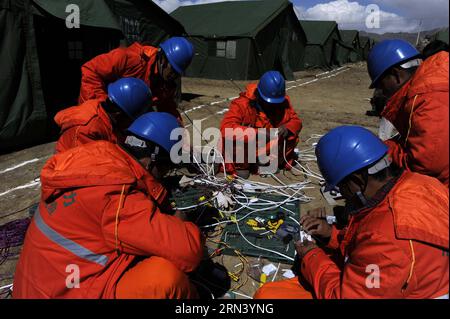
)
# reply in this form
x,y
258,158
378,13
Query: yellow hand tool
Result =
x,y
262,279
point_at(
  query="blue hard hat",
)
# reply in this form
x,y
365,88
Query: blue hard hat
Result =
x,y
179,51
131,95
387,54
272,87
156,127
345,150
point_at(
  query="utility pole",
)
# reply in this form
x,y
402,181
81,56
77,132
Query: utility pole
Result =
x,y
418,33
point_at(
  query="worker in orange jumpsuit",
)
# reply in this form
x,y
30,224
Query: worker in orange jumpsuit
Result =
x,y
396,242
417,106
263,106
160,68
103,120
101,231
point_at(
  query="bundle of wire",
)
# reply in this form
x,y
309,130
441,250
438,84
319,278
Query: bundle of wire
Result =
x,y
12,235
238,189
236,276
5,291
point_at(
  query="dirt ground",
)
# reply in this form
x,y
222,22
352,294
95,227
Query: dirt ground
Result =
x,y
322,100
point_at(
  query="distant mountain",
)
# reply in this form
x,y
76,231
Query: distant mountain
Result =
x,y
410,37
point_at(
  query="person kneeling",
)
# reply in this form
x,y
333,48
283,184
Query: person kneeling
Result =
x,y
101,231
264,106
396,242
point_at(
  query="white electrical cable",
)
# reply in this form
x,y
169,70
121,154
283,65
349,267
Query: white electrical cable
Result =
x,y
310,173
255,210
6,287
298,223
238,185
284,157
241,294
279,181
252,210
221,156
269,202
198,164
197,205
276,272
314,136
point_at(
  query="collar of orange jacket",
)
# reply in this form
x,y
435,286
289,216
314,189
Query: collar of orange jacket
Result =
x,y
419,205
148,54
81,115
145,51
431,76
250,91
98,163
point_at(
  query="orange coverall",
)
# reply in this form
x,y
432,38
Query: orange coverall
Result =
x,y
404,237
99,221
83,124
137,61
243,114
419,112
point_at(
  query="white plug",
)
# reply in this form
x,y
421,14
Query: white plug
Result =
x,y
248,187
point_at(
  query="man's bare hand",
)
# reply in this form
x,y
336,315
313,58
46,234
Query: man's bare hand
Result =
x,y
316,226
304,247
320,212
283,132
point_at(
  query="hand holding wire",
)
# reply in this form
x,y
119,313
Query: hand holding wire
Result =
x,y
316,226
303,247
283,132
319,212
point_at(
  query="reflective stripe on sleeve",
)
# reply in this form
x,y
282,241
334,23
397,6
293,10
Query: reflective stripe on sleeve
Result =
x,y
68,244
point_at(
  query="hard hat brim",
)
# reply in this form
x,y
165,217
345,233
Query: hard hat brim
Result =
x,y
272,100
171,62
114,99
376,80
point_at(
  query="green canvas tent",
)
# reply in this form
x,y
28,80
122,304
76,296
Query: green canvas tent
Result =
x,y
241,40
342,52
365,47
351,38
324,48
441,35
41,57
